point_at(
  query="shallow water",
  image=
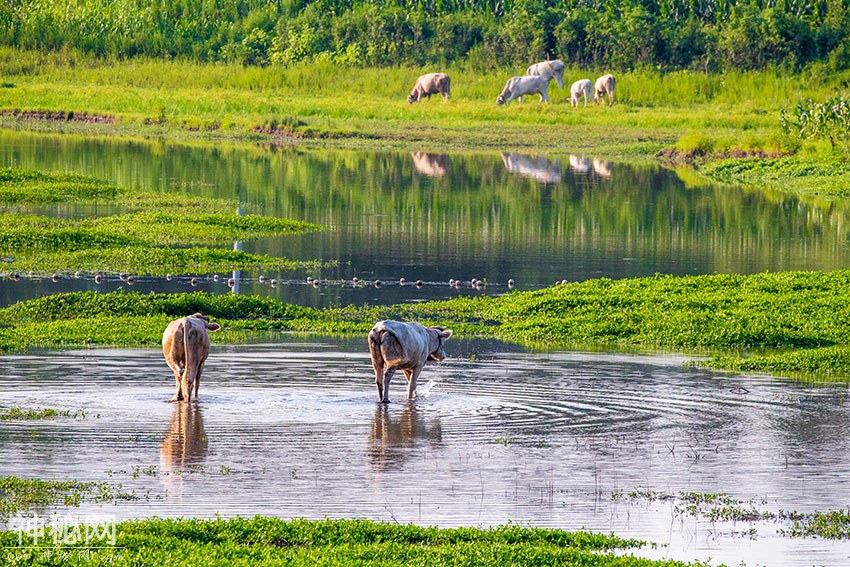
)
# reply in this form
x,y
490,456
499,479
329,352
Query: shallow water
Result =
x,y
293,430
488,215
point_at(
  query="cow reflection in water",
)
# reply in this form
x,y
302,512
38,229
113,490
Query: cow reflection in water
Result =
x,y
395,433
430,164
536,167
602,167
183,444
580,164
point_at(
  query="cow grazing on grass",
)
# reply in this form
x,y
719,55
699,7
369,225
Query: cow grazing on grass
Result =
x,y
554,68
582,87
605,86
186,345
407,346
432,83
517,87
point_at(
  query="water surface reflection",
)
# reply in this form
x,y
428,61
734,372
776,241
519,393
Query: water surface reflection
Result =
x,y
435,217
292,430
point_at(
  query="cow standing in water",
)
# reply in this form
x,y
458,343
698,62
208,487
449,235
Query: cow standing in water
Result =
x,y
407,346
186,345
432,83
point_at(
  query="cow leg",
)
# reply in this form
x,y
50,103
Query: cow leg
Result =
x,y
412,375
385,392
177,378
198,380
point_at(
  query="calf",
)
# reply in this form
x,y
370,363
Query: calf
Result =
x,y
186,345
605,86
582,87
407,346
432,83
517,87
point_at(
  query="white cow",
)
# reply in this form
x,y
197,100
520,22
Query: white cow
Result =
x,y
582,87
554,68
186,345
517,87
605,86
407,346
432,83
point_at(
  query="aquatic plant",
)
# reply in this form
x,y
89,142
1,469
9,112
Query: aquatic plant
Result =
x,y
783,322
15,414
164,234
272,541
20,494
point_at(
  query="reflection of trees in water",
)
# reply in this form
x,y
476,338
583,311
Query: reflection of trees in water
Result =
x,y
382,206
430,164
534,167
185,442
394,434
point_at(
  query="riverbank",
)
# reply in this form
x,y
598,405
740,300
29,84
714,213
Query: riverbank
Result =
x,y
785,323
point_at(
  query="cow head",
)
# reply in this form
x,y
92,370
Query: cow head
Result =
x,y
500,100
438,337
207,324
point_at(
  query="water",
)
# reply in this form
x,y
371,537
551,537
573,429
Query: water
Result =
x,y
294,430
498,434
495,216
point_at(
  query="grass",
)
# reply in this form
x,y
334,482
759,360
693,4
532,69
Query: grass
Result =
x,y
156,234
783,323
271,541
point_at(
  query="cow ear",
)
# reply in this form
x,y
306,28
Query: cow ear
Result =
x,y
446,333
213,326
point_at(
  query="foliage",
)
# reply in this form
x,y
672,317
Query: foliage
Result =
x,y
272,541
705,34
828,120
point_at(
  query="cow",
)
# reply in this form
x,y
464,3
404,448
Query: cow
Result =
x,y
517,87
554,68
582,87
186,345
605,86
432,83
408,346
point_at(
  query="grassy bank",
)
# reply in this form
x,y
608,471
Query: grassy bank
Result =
x,y
149,233
270,541
791,322
326,103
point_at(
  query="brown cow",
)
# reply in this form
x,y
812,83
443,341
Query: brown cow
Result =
x,y
432,83
407,346
186,345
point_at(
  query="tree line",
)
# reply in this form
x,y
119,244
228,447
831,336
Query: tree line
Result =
x,y
706,35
